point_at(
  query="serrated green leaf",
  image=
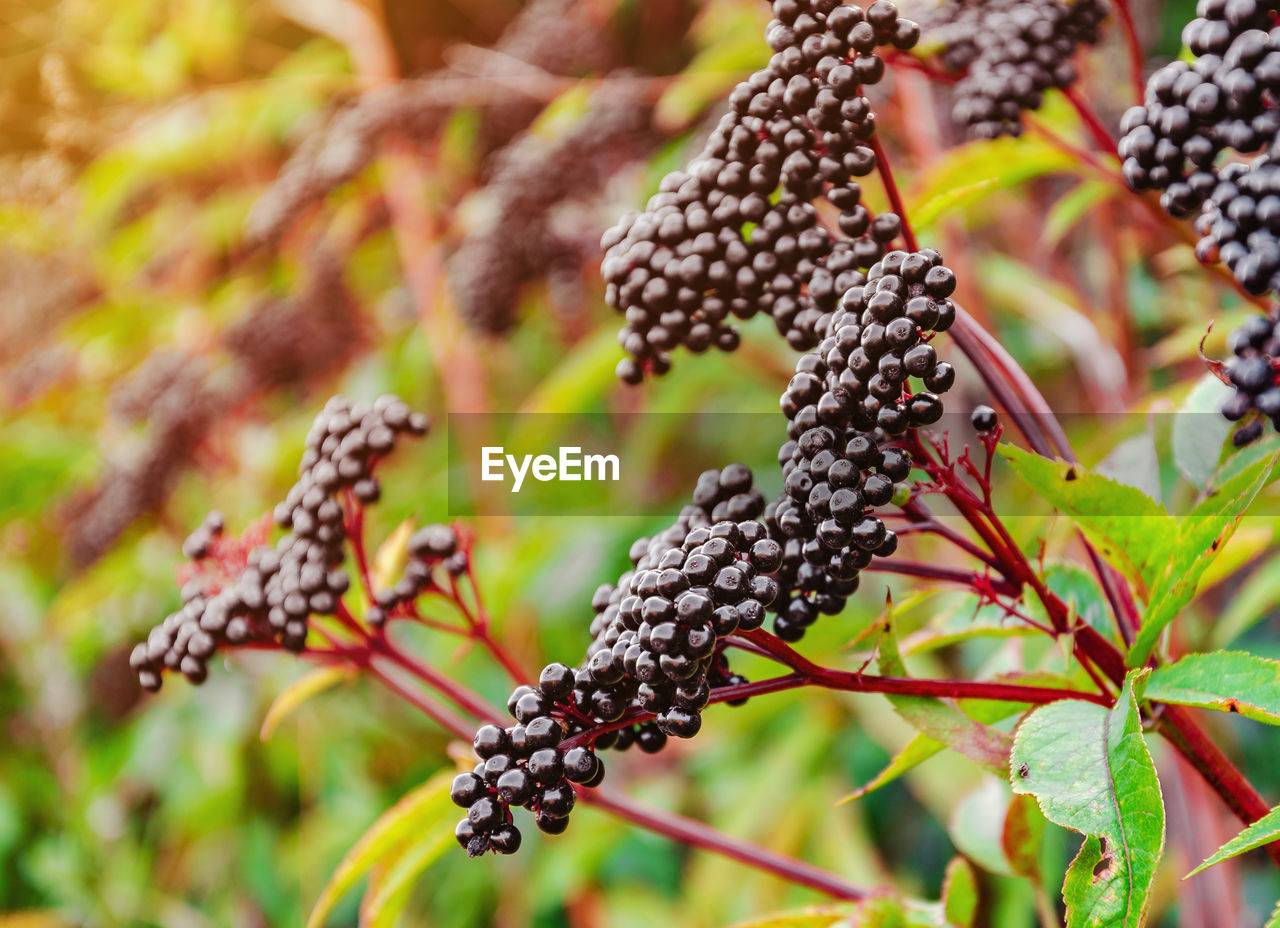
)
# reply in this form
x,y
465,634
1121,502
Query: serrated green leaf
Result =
x,y
1199,430
1188,553
1263,831
1229,681
416,813
922,747
1127,526
960,894
940,719
1274,920
1090,771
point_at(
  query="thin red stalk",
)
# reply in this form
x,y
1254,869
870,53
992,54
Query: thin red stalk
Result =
x,y
1216,768
696,834
454,691
967,578
442,715
1090,119
850,682
1134,44
478,621
891,191
924,520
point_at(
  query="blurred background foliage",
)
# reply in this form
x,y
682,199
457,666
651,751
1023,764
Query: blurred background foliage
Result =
x,y
214,213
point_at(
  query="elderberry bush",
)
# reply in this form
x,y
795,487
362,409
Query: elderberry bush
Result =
x,y
1253,372
657,650
530,183
798,129
846,404
1223,101
1008,53
269,598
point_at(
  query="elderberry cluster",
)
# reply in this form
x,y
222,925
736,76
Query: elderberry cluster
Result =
x,y
847,400
1253,371
796,130
274,591
429,547
1224,100
532,183
656,650
1009,53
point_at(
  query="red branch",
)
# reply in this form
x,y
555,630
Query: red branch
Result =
x,y
689,831
1134,45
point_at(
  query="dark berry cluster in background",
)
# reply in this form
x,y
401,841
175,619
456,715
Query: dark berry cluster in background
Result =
x,y
269,598
534,182
1008,53
1253,371
847,401
1222,101
735,232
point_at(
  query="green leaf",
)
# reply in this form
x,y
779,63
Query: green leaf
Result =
x,y
922,747
1199,430
1072,207
940,719
1263,831
729,39
1135,463
1090,770
812,917
1250,604
389,894
969,174
918,750
1274,920
1127,526
960,894
976,826
1188,553
309,685
417,813
1229,681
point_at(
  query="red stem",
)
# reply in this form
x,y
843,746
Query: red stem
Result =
x,y
1227,781
691,832
1134,44
458,694
891,191
966,578
1090,119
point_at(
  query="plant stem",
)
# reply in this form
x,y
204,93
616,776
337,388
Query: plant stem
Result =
x,y
442,715
1134,44
1091,121
455,692
694,833
941,572
892,192
1216,768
